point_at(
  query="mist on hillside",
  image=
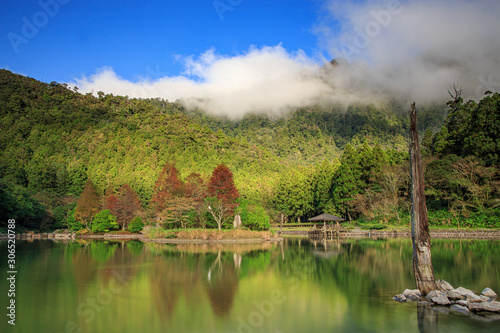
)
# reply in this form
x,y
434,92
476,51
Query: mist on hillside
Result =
x,y
408,50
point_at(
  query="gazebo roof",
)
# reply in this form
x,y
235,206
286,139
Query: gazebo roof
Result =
x,y
325,218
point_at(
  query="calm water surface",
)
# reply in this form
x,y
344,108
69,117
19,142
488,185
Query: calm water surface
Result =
x,y
295,286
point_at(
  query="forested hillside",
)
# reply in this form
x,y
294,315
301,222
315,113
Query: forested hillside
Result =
x,y
350,161
309,135
54,139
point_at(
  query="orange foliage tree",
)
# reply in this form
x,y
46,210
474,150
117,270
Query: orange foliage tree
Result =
x,y
126,207
88,204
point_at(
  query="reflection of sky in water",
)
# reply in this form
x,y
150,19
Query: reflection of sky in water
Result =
x,y
295,286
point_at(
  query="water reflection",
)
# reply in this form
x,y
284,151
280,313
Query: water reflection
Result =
x,y
340,285
427,318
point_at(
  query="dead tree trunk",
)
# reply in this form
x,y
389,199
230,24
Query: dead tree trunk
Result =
x,y
422,262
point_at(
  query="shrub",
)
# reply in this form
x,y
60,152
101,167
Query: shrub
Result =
x,y
136,224
104,221
254,216
373,226
72,223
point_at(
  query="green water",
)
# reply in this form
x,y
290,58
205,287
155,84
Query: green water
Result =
x,y
295,286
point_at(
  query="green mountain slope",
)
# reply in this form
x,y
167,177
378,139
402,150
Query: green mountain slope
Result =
x,y
54,138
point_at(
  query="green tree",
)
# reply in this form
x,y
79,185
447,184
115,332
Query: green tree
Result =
x,y
345,190
294,195
323,186
253,216
136,224
104,221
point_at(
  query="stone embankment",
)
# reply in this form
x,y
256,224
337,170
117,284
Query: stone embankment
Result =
x,y
30,235
406,233
445,233
460,300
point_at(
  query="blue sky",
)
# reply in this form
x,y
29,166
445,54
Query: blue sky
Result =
x,y
239,56
74,38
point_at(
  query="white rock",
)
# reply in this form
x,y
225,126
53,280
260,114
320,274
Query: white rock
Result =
x,y
452,295
400,298
462,303
484,298
443,285
434,293
412,292
461,309
438,297
464,292
473,299
489,293
485,306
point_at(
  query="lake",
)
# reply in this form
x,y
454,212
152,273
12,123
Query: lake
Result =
x,y
294,286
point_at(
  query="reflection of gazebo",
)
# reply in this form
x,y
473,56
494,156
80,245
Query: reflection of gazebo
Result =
x,y
327,218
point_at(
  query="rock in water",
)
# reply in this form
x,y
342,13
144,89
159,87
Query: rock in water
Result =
x,y
412,294
489,293
415,292
461,309
443,285
452,295
485,306
474,299
400,298
438,297
464,292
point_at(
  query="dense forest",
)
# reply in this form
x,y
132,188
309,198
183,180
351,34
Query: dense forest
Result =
x,y
102,162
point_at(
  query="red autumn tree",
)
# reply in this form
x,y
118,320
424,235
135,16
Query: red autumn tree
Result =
x,y
110,199
168,186
196,190
88,204
222,194
221,185
127,206
195,187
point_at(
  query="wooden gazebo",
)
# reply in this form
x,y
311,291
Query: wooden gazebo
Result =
x,y
326,218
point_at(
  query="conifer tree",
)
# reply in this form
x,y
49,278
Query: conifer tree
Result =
x,y
222,194
168,186
221,185
127,207
88,204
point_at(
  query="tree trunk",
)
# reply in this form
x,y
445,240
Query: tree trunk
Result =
x,y
422,261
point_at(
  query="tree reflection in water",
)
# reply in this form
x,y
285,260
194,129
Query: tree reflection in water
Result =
x,y
427,318
190,270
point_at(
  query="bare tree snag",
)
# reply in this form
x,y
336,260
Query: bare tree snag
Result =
x,y
422,261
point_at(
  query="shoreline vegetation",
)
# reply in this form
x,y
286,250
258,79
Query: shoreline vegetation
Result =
x,y
102,163
203,236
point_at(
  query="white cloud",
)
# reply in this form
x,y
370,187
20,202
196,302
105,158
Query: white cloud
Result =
x,y
412,50
416,49
268,79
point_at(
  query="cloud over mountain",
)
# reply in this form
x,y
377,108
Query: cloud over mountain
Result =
x,y
411,50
